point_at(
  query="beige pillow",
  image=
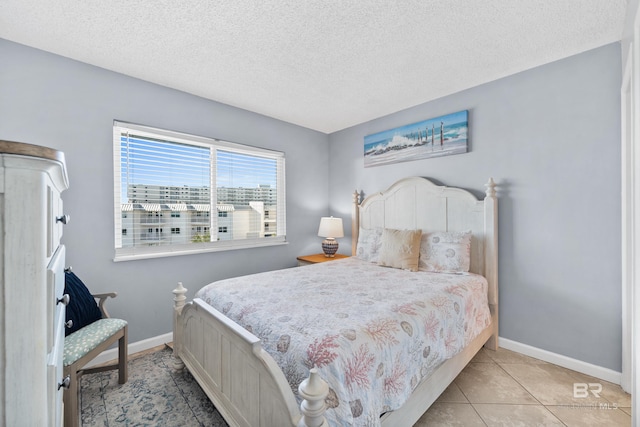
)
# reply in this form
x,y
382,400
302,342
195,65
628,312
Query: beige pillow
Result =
x,y
400,249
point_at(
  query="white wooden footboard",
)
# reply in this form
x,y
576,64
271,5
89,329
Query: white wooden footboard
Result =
x,y
242,380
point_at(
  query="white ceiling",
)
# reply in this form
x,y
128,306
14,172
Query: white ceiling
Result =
x,y
324,65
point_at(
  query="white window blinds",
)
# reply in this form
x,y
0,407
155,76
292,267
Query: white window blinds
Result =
x,y
167,181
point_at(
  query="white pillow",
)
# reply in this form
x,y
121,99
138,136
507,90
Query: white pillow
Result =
x,y
369,242
445,252
400,249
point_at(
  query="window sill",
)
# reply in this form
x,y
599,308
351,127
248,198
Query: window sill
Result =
x,y
127,256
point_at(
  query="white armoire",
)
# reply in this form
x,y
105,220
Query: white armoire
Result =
x,y
32,305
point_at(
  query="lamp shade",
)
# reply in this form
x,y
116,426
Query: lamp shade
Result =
x,y
330,227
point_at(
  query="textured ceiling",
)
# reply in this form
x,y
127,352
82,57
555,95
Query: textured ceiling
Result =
x,y
324,65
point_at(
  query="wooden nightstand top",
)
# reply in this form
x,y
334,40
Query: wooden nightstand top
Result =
x,y
316,258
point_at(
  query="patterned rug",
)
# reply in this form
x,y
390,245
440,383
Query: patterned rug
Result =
x,y
154,395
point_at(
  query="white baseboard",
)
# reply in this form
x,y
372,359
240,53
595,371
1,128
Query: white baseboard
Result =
x,y
560,360
547,356
136,347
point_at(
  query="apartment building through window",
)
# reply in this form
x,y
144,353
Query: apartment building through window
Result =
x,y
177,193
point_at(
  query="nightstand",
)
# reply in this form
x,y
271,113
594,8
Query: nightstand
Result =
x,y
314,259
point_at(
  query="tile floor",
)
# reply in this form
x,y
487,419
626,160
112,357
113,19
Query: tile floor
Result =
x,y
504,388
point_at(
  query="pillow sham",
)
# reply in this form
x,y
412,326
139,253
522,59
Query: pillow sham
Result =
x,y
369,242
82,308
400,249
445,252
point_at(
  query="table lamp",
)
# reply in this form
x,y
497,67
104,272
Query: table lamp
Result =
x,y
330,228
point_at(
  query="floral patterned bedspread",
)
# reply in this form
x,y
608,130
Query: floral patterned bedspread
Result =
x,y
373,332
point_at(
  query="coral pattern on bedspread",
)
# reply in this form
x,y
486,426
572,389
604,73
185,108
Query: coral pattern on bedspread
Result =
x,y
373,332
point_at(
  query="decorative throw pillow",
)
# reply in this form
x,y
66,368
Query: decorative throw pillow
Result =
x,y
445,252
400,249
82,309
369,242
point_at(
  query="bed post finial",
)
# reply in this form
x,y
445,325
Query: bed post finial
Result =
x,y
355,221
491,188
178,304
179,298
314,390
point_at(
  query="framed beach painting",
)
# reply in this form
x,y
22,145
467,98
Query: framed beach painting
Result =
x,y
440,136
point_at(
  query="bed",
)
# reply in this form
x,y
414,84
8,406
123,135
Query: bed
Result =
x,y
263,381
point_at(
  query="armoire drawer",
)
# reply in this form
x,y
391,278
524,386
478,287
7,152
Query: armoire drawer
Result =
x,y
56,300
56,304
56,219
55,376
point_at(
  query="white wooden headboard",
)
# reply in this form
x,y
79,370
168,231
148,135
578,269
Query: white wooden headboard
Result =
x,y
417,203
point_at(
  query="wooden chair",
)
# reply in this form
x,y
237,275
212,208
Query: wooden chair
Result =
x,y
82,346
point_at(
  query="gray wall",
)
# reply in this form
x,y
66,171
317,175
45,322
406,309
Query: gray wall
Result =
x,y
550,137
52,101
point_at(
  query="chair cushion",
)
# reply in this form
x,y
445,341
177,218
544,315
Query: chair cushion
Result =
x,y
82,308
81,342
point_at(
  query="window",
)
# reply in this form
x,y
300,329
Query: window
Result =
x,y
176,181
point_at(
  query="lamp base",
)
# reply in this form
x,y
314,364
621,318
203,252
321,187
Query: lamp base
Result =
x,y
329,247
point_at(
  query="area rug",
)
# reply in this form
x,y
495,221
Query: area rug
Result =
x,y
154,395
